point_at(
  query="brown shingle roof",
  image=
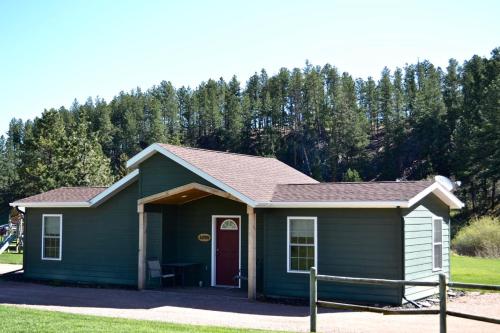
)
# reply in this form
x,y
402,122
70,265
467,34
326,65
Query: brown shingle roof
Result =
x,y
65,194
260,179
253,176
344,192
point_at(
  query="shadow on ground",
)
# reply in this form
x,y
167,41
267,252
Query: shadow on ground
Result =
x,y
234,301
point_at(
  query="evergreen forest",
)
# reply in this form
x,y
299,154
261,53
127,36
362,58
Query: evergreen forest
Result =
x,y
412,123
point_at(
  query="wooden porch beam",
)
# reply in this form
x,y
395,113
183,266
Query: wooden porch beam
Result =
x,y
141,264
183,188
252,253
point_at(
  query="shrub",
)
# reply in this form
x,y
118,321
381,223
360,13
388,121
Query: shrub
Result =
x,y
481,237
351,175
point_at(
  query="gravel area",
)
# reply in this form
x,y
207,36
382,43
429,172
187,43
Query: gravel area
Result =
x,y
231,309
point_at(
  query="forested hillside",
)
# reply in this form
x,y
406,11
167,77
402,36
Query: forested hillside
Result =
x,y
412,123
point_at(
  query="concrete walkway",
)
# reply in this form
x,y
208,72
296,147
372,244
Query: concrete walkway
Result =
x,y
7,268
219,308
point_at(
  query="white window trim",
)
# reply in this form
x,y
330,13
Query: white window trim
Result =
x,y
288,261
434,268
60,236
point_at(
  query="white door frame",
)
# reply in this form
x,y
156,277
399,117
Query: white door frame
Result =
x,y
214,247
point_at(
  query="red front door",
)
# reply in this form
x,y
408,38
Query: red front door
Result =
x,y
227,250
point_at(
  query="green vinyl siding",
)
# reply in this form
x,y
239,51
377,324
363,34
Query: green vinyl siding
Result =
x,y
351,242
159,173
418,244
182,224
99,245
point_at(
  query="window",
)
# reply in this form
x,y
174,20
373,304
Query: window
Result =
x,y
302,244
437,244
228,225
51,237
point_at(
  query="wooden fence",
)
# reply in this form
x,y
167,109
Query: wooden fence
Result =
x,y
442,311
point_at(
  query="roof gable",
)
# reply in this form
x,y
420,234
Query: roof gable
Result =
x,y
251,179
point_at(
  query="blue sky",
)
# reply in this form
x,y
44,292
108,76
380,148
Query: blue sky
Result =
x,y
54,51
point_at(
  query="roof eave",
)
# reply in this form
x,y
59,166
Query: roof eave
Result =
x,y
333,204
51,204
443,194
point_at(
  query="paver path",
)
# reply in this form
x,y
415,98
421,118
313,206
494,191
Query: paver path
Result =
x,y
209,307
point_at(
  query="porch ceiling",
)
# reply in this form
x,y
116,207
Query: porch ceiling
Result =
x,y
181,198
184,194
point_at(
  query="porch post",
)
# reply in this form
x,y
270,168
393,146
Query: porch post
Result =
x,y
141,265
252,253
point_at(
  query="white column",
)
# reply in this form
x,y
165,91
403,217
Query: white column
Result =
x,y
141,265
252,253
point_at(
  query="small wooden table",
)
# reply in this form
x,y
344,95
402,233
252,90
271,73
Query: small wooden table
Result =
x,y
181,268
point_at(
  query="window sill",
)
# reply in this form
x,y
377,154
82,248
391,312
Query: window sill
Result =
x,y
298,272
52,259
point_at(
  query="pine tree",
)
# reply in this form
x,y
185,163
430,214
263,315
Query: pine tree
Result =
x,y
188,116
41,165
427,119
348,137
83,162
10,160
233,119
370,105
155,130
102,125
169,112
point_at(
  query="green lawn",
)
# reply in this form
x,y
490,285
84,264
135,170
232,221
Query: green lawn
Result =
x,y
475,270
11,258
28,320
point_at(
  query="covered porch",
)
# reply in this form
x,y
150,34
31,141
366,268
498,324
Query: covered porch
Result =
x,y
201,227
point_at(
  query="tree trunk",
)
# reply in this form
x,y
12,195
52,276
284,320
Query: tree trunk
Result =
x,y
493,194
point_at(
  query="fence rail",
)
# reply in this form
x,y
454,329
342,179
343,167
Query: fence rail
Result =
x,y
442,311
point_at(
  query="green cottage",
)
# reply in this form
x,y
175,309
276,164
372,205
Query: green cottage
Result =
x,y
223,219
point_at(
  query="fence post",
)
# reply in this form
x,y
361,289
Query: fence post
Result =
x,y
442,303
313,298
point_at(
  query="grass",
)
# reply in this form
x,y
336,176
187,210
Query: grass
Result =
x,y
11,258
39,321
475,270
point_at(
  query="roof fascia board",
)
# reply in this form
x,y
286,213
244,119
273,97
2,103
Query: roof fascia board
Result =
x,y
334,204
143,155
113,189
443,194
68,204
207,189
149,151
